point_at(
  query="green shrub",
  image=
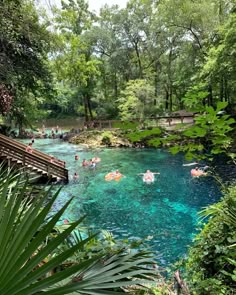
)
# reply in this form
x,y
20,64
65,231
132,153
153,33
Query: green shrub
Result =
x,y
106,138
211,263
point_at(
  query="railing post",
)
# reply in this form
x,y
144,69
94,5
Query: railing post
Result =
x,y
48,169
23,158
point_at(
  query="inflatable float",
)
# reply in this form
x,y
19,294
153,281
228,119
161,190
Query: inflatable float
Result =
x,y
148,178
113,176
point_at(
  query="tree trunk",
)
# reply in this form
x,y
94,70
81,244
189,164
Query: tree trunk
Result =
x,y
222,89
210,96
20,128
226,91
89,107
104,83
157,70
170,84
182,287
167,99
115,86
179,99
170,99
139,61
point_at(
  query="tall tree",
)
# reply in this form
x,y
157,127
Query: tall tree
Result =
x,y
74,59
24,44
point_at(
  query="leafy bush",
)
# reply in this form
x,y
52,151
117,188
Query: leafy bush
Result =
x,y
145,135
30,262
211,263
106,138
210,135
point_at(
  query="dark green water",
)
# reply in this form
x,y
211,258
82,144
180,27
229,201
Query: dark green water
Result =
x,y
165,210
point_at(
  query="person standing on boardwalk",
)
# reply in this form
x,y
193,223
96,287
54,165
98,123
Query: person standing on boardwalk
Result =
x,y
29,148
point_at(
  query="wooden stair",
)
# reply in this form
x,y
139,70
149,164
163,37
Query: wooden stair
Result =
x,y
15,154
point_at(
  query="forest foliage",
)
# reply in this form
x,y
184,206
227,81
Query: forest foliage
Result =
x,y
71,61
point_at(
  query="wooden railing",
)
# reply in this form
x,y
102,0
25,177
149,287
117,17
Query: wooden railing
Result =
x,y
41,163
22,146
101,124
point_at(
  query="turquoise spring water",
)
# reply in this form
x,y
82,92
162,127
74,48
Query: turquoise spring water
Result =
x,y
166,210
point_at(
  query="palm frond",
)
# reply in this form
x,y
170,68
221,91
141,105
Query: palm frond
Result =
x,y
29,261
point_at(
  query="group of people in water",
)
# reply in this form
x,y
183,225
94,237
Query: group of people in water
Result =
x,y
53,132
147,177
91,163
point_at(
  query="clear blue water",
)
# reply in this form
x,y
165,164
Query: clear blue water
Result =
x,y
166,210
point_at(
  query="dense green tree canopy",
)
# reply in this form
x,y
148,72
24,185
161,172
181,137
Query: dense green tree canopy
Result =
x,y
176,46
24,45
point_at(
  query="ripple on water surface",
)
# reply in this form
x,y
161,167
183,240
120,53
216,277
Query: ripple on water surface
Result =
x,y
166,210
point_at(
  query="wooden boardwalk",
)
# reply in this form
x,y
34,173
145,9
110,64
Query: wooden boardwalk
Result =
x,y
155,122
37,162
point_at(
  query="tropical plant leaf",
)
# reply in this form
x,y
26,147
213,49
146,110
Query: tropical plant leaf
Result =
x,y
28,250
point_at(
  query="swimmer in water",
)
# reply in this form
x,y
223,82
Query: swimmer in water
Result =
x,y
199,172
76,157
84,163
75,177
148,176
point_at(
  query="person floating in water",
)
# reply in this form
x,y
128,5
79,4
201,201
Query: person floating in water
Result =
x,y
115,175
196,172
148,176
